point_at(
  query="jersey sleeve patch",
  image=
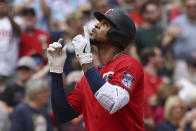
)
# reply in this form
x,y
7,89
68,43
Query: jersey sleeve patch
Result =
x,y
127,79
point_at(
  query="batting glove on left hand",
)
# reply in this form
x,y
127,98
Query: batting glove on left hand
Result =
x,y
56,56
82,47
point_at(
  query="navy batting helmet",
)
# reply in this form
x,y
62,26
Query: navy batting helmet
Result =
x,y
124,29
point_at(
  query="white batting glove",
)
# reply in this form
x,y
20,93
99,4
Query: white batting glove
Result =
x,y
82,47
56,56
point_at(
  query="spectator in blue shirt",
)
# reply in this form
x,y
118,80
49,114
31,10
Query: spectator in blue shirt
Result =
x,y
174,111
31,115
181,33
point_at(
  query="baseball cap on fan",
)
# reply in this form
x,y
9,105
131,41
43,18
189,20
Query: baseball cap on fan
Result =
x,y
28,11
27,62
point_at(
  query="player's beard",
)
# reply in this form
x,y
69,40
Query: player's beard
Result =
x,y
96,42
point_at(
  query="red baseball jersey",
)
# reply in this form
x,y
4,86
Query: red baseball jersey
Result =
x,y
125,72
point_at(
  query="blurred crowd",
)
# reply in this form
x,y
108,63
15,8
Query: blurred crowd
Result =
x,y
165,44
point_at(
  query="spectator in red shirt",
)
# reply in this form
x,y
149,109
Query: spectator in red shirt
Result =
x,y
32,40
135,14
152,61
176,8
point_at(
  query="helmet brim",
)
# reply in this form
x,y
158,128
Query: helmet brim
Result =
x,y
100,16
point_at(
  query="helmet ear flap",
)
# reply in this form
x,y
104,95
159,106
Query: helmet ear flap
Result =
x,y
117,38
113,36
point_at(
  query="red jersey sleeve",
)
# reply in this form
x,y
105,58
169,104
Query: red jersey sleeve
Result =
x,y
128,75
74,99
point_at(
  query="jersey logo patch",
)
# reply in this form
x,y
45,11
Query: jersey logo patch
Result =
x,y
127,79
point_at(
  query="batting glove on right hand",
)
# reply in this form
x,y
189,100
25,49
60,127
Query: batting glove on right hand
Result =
x,y
56,56
82,47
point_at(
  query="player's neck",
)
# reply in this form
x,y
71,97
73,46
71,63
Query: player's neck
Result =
x,y
107,53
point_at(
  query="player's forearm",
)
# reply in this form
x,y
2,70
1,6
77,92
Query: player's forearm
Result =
x,y
62,110
95,80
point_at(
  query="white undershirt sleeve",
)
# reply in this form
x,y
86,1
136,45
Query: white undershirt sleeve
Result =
x,y
112,97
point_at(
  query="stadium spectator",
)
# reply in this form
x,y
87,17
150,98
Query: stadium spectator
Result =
x,y
42,10
74,24
60,9
163,92
185,75
32,115
174,111
149,34
186,69
189,120
33,40
135,13
9,38
176,8
14,94
180,36
152,61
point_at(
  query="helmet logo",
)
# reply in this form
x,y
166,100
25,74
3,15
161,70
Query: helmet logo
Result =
x,y
109,11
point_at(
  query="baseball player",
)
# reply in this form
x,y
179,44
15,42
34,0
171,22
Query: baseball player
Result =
x,y
110,97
